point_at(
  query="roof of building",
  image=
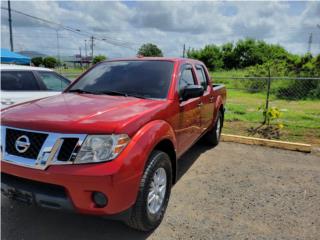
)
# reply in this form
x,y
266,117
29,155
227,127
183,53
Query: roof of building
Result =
x,y
32,54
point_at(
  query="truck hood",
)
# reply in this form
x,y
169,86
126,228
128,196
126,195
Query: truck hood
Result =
x,y
83,113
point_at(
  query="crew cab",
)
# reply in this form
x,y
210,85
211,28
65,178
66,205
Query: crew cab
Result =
x,y
24,83
110,144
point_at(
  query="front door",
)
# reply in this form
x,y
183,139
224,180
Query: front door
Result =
x,y
189,125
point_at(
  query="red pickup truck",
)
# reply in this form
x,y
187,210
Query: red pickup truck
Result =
x,y
109,145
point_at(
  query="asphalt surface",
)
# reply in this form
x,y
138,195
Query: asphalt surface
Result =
x,y
234,191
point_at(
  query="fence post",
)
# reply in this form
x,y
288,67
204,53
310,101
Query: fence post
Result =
x,y
268,94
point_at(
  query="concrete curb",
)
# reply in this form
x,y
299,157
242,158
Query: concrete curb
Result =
x,y
301,147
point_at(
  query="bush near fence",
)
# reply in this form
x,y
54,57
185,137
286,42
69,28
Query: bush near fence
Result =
x,y
297,99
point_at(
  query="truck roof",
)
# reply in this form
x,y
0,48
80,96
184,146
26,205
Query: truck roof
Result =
x,y
22,67
172,59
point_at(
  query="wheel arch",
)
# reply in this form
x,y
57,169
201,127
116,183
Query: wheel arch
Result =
x,y
167,146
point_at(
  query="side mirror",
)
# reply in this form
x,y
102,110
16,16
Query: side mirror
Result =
x,y
192,91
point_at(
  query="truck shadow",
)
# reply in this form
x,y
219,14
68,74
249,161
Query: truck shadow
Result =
x,y
187,159
30,223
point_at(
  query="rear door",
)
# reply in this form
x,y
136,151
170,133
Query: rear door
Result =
x,y
189,117
207,108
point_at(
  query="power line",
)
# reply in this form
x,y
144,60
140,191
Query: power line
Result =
x,y
109,40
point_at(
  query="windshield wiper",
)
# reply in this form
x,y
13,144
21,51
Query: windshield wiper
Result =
x,y
78,90
136,96
108,92
111,92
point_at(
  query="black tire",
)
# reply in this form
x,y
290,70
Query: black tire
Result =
x,y
141,218
211,136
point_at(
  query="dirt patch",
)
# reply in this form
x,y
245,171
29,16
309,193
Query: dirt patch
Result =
x,y
303,135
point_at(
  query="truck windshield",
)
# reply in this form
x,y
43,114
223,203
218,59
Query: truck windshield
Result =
x,y
139,78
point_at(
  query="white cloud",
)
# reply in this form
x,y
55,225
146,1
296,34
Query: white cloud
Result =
x,y
168,24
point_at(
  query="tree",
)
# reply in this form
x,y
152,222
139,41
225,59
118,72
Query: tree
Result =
x,y
99,58
150,50
210,55
50,62
228,57
37,61
247,53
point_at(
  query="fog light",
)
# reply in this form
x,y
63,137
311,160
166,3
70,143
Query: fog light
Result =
x,y
99,199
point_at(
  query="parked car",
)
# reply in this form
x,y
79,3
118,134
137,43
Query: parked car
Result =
x,y
110,144
24,83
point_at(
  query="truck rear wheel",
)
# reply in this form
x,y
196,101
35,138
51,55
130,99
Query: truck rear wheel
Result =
x,y
213,136
154,193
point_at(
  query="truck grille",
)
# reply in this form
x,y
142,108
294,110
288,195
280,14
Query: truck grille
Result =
x,y
36,142
39,149
67,148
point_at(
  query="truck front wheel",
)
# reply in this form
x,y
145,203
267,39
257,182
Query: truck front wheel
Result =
x,y
154,193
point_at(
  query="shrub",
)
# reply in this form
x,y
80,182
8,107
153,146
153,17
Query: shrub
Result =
x,y
50,62
37,61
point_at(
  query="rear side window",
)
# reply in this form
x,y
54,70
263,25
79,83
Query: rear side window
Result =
x,y
18,81
186,79
52,81
202,77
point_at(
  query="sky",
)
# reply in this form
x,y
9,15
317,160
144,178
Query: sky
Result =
x,y
167,24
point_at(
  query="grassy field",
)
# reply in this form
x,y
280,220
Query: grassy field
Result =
x,y
229,73
301,119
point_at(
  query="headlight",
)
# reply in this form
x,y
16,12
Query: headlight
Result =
x,y
99,148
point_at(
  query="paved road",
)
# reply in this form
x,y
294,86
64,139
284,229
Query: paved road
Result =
x,y
231,192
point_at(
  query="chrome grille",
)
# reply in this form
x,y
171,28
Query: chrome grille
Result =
x,y
36,142
67,148
45,149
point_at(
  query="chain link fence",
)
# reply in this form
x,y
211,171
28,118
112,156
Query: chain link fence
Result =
x,y
283,108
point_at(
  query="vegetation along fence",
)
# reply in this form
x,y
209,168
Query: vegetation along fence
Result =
x,y
286,108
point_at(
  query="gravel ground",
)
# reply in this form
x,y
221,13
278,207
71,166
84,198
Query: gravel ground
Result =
x,y
234,191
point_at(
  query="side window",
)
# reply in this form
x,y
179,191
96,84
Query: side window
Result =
x,y
18,81
186,79
202,77
52,81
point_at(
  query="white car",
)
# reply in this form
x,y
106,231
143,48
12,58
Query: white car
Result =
x,y
25,83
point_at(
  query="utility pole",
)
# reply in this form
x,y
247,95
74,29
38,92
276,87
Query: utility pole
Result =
x,y
184,50
318,25
80,57
85,47
92,43
310,43
10,26
58,46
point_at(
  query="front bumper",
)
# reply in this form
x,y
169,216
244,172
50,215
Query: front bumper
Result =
x,y
118,180
35,193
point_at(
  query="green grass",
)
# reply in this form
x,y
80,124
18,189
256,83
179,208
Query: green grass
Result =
x,y
228,73
70,70
301,119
